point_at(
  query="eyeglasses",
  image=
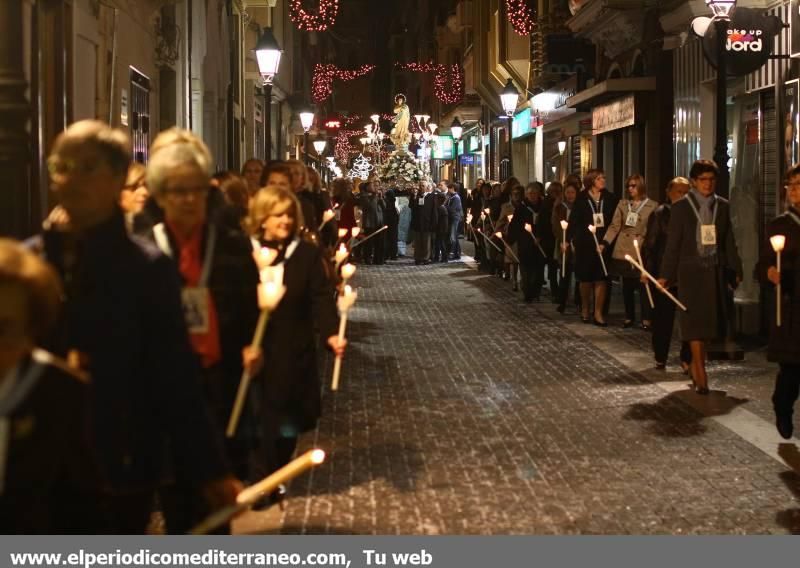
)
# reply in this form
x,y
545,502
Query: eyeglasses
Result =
x,y
184,192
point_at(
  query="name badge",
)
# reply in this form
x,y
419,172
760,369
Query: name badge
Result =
x,y
708,234
422,201
599,221
195,309
632,219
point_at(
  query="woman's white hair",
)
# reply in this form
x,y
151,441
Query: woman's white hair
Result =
x,y
172,149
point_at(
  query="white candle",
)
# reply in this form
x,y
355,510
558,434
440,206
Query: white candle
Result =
x,y
342,233
499,235
647,284
347,271
529,229
356,231
564,226
362,241
326,217
778,242
264,257
509,217
341,254
593,230
649,276
345,302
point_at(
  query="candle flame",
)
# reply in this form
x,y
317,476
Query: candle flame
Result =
x,y
636,243
342,233
777,242
592,228
564,225
328,215
317,456
356,231
486,210
528,227
509,217
348,270
499,235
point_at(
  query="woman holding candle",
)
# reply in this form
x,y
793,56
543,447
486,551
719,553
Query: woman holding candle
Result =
x,y
219,279
290,402
628,228
702,259
593,208
653,252
784,340
524,234
510,265
561,213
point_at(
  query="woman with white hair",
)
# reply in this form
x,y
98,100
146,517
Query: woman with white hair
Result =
x,y
219,294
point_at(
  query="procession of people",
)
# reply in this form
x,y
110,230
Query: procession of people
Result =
x,y
152,292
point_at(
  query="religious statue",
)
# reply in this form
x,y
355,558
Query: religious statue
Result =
x,y
402,116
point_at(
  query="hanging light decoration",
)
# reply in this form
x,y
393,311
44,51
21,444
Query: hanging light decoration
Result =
x,y
326,74
521,15
324,17
343,148
448,82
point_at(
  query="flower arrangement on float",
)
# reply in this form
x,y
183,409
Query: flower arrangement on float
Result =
x,y
401,165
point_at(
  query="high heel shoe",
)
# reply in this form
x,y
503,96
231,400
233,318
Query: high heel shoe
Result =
x,y
599,323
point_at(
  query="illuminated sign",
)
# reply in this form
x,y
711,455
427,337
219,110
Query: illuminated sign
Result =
x,y
474,143
522,124
333,124
443,148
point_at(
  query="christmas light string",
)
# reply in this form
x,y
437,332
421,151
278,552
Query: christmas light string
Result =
x,y
343,148
324,17
326,74
448,82
521,15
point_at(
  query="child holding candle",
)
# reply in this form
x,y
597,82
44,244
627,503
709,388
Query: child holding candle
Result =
x,y
784,341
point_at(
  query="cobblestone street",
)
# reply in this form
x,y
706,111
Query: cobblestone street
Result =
x,y
464,411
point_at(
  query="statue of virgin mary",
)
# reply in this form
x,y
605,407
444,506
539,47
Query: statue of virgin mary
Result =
x,y
400,135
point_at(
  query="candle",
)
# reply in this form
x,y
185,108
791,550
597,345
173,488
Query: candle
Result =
x,y
344,302
529,228
362,241
342,233
564,226
347,271
249,495
778,242
269,296
509,217
647,284
490,241
593,230
326,217
356,231
649,276
499,235
341,254
264,257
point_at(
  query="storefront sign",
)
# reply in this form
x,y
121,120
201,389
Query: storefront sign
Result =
x,y
443,148
474,143
749,41
522,124
620,113
470,159
552,105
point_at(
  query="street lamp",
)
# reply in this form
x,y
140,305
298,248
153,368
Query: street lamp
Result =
x,y
456,130
562,147
268,57
509,97
319,145
722,10
306,119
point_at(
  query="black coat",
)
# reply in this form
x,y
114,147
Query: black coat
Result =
x,y
544,225
587,262
703,288
123,315
51,480
425,218
784,341
529,254
291,388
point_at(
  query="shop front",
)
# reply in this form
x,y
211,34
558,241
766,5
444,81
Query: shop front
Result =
x,y
524,146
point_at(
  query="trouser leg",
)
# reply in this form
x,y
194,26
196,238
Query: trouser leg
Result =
x,y
663,321
787,388
629,297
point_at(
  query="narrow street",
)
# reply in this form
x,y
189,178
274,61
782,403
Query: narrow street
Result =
x,y
464,411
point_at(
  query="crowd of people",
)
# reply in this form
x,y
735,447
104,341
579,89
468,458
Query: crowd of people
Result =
x,y
577,235
128,321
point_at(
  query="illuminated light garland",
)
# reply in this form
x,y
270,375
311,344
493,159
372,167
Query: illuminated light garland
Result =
x,y
343,148
314,22
448,82
326,74
521,15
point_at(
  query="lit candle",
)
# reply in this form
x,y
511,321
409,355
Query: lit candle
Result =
x,y
650,277
249,495
362,241
564,226
529,229
647,284
593,230
509,217
341,254
264,257
344,302
778,242
356,231
499,235
347,271
326,217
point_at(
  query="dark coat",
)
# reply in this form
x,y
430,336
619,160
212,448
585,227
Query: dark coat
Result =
x,y
784,341
529,254
443,224
455,211
544,225
51,481
655,240
390,215
291,390
703,287
427,215
123,314
372,206
587,262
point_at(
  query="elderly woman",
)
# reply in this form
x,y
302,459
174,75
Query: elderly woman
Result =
x,y
594,207
784,341
629,224
702,259
220,303
291,402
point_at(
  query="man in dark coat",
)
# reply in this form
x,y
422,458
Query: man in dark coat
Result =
x,y
455,212
392,220
123,325
425,216
784,340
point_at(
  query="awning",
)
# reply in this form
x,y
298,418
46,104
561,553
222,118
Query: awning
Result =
x,y
609,89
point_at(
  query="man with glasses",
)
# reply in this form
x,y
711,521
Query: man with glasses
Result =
x,y
701,258
123,326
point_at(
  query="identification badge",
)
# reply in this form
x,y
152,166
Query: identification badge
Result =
x,y
422,201
632,220
708,234
196,309
599,221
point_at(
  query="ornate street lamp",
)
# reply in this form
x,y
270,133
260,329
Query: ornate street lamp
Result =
x,y
509,97
306,119
268,57
562,147
722,10
319,145
456,130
